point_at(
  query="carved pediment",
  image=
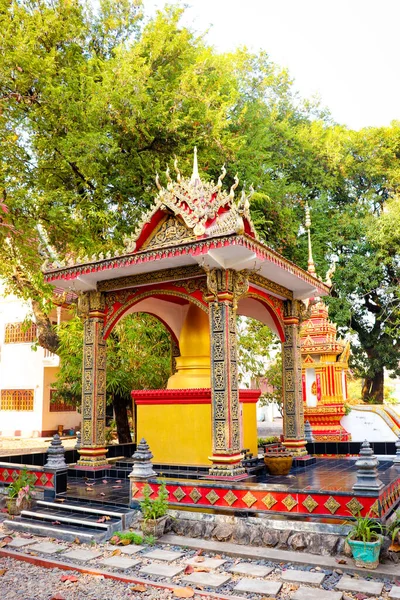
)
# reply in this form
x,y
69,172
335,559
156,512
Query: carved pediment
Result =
x,y
170,231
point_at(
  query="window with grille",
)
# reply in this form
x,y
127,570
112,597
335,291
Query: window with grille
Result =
x,y
18,333
16,400
59,405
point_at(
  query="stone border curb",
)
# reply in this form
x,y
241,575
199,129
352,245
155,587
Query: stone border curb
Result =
x,y
56,564
275,555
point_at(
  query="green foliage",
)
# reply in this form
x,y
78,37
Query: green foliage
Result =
x,y
154,508
255,343
137,357
365,529
94,102
267,440
273,377
25,479
150,540
134,538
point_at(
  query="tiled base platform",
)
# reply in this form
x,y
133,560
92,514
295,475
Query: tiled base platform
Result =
x,y
322,490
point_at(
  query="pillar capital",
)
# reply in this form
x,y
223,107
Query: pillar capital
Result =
x,y
295,312
226,285
92,303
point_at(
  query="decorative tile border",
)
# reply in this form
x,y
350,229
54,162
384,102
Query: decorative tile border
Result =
x,y
230,496
43,479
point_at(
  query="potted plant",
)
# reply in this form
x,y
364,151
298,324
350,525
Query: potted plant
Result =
x,y
365,542
20,493
154,511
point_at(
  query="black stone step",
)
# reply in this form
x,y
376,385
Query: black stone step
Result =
x,y
61,532
67,506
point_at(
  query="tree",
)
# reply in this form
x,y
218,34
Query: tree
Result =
x,y
137,358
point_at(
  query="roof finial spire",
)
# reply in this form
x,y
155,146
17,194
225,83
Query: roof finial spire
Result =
x,y
311,266
195,175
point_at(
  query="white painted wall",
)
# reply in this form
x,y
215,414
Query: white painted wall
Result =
x,y
22,368
367,426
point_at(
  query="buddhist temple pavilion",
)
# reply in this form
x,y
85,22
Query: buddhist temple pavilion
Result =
x,y
194,262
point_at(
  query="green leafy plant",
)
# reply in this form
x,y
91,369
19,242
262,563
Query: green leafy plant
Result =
x,y
134,538
150,540
365,529
153,509
267,440
393,528
22,486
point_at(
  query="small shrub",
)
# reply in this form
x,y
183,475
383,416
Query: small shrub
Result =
x,y
153,509
365,529
150,540
134,538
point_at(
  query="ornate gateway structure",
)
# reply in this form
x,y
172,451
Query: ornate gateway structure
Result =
x,y
195,263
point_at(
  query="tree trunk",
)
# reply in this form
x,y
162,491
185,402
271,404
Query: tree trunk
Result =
x,y
121,417
372,390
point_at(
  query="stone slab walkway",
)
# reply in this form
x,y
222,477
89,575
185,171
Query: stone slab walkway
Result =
x,y
210,573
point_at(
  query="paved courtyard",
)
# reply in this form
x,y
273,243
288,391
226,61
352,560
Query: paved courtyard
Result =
x,y
17,445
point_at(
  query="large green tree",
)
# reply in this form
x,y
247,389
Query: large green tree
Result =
x,y
92,104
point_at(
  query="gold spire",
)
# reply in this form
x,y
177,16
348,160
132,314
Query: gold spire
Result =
x,y
311,266
195,175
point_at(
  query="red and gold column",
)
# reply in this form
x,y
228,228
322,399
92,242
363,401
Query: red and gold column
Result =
x,y
225,287
93,451
293,411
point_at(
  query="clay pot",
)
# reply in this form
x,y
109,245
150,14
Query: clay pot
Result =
x,y
278,465
13,509
154,527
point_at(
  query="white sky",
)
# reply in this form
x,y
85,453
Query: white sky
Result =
x,y
346,51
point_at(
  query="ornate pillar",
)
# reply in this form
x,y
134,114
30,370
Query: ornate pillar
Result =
x,y
93,452
225,287
293,410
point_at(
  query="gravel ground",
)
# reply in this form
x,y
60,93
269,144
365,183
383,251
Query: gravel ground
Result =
x,y
23,581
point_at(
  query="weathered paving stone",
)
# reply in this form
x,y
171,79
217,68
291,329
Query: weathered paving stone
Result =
x,y
394,593
20,543
207,579
83,555
258,586
167,555
47,548
119,562
131,549
296,576
162,570
348,584
307,593
247,568
208,563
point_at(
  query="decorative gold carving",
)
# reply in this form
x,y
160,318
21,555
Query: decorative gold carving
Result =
x,y
270,286
134,490
332,505
269,501
230,498
249,499
171,231
289,502
227,284
151,277
375,508
310,504
212,497
179,494
354,506
195,495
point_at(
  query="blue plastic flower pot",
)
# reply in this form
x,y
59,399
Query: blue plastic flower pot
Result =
x,y
365,554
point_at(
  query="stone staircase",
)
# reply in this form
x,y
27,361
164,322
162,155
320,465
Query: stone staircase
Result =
x,y
71,519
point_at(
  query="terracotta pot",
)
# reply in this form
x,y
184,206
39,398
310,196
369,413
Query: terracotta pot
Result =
x,y
154,527
13,509
278,465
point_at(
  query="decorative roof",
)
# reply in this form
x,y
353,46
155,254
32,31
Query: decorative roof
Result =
x,y
203,208
190,222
